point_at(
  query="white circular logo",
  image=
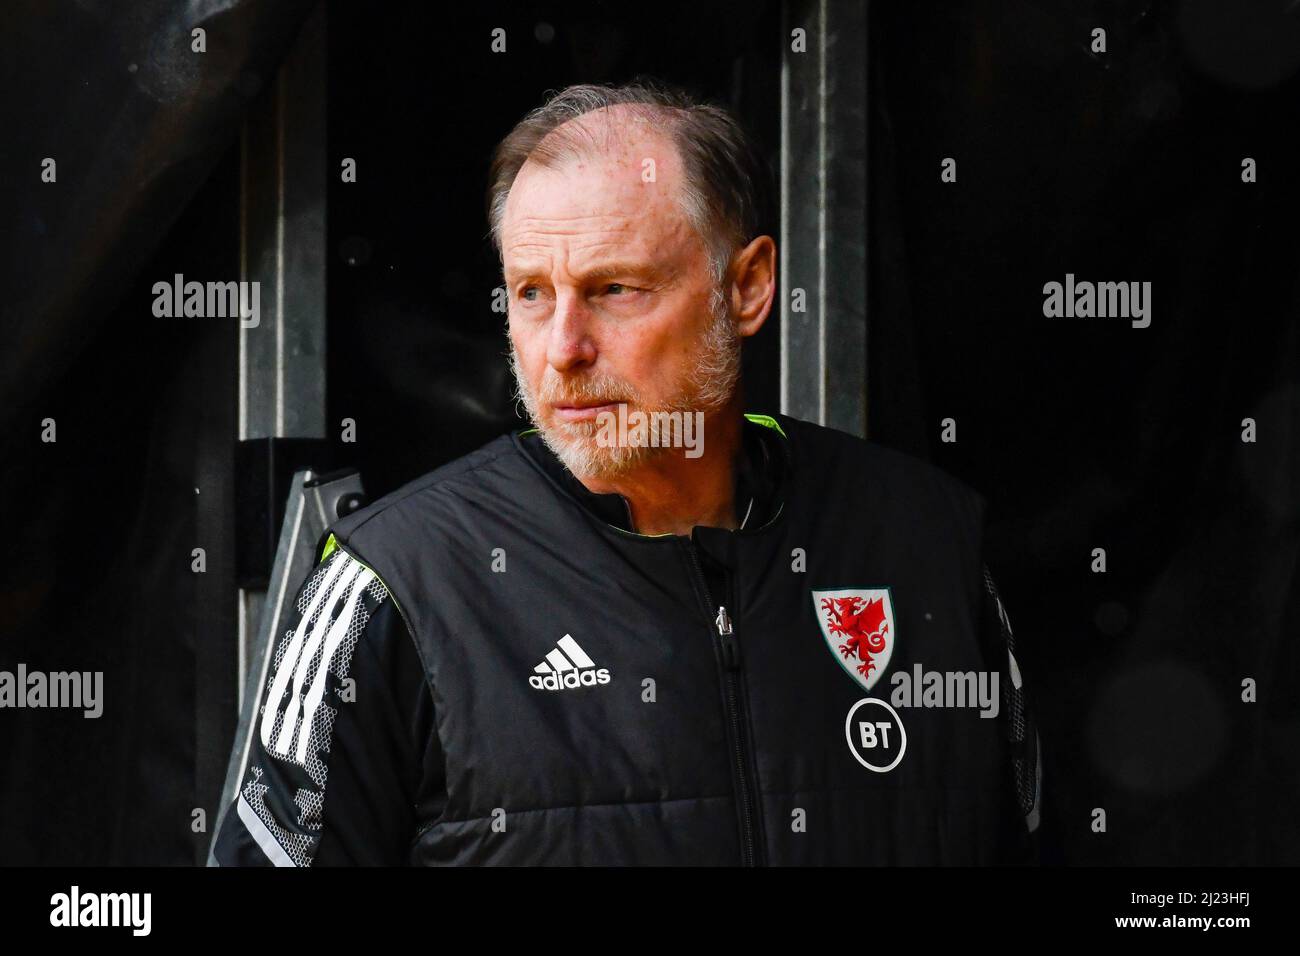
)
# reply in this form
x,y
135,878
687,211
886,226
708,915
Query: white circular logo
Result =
x,y
882,739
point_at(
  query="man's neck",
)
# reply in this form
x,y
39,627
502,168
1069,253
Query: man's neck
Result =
x,y
671,494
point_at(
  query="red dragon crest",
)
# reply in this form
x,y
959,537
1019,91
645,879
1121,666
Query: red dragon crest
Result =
x,y
862,624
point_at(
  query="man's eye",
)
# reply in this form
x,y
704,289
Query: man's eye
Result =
x,y
616,288
523,293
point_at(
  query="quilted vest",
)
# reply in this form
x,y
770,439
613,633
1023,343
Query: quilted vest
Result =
x,y
606,697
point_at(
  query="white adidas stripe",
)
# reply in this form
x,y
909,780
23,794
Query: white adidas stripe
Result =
x,y
576,653
338,631
290,659
314,642
556,662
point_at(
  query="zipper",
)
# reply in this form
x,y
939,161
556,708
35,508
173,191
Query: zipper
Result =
x,y
730,648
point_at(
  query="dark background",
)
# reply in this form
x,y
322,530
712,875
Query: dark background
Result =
x,y
1082,433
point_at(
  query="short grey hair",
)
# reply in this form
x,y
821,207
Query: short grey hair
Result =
x,y
726,192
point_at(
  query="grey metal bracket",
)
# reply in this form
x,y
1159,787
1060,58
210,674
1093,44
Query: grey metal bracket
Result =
x,y
314,503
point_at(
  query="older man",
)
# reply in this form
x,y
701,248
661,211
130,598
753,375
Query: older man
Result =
x,y
652,628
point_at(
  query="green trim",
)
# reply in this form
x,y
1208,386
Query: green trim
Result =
x,y
332,545
766,420
527,431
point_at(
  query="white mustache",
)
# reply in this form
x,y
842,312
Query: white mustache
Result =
x,y
566,394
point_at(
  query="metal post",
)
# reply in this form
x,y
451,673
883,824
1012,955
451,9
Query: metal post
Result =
x,y
282,247
824,214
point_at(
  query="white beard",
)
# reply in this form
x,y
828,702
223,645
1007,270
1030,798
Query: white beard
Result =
x,y
708,386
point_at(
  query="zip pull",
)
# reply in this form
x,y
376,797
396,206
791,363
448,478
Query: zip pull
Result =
x,y
730,646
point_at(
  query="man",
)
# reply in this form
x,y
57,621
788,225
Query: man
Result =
x,y
651,629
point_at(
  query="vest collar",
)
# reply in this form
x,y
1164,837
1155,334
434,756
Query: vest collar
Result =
x,y
760,479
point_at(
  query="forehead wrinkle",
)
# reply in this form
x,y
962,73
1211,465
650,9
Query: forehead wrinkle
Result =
x,y
617,233
582,246
586,253
602,261
651,227
549,225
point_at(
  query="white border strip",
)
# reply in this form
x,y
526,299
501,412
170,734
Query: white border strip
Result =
x,y
257,829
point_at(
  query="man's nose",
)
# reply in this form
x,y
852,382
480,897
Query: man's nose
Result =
x,y
570,344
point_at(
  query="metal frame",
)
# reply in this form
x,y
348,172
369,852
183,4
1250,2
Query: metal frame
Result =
x,y
282,360
824,214
282,246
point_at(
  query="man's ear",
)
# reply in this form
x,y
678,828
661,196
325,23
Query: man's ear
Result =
x,y
753,285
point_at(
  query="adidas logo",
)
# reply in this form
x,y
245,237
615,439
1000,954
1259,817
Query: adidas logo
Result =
x,y
567,666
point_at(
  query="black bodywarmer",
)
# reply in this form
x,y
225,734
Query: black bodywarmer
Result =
x,y
486,668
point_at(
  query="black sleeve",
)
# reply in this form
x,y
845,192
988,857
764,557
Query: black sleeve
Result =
x,y
1019,731
343,751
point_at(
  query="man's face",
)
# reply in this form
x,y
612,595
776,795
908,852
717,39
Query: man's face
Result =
x,y
609,294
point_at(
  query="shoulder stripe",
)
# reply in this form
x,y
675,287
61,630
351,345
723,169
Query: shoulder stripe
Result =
x,y
303,698
291,653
